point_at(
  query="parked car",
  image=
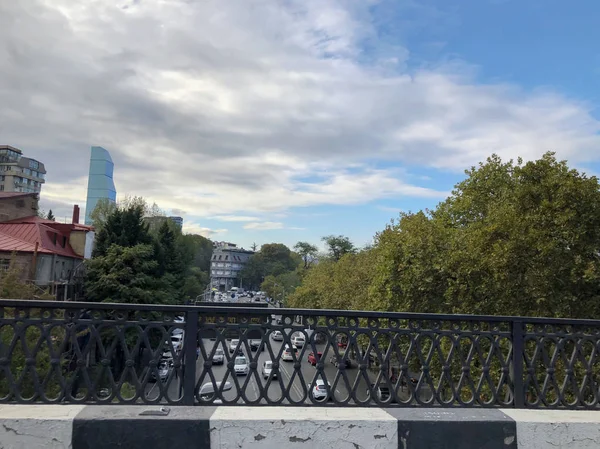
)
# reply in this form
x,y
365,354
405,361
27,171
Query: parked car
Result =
x,y
208,391
256,344
320,391
335,361
233,345
298,340
218,357
314,359
287,353
241,366
267,369
277,336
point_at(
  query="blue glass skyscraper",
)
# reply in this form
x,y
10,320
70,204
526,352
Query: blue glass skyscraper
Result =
x,y
100,181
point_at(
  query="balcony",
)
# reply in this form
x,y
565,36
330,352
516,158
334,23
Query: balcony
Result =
x,y
57,352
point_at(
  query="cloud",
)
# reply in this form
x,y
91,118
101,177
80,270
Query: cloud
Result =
x,y
218,110
234,218
193,228
264,226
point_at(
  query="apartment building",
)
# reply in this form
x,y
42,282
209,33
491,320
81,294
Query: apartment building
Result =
x,y
19,173
226,263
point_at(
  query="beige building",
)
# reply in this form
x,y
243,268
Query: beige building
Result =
x,y
19,173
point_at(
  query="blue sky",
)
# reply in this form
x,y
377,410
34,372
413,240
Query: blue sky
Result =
x,y
281,121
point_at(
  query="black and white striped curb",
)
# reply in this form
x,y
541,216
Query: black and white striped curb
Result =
x,y
103,427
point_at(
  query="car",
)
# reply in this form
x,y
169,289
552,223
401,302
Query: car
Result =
x,y
335,361
208,391
320,392
256,344
233,345
287,353
382,393
164,368
241,366
298,340
312,359
218,357
277,336
177,341
267,370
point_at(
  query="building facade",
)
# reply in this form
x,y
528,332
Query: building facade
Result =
x,y
101,185
154,223
227,262
19,173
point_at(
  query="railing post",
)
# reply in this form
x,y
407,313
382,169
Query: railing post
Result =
x,y
518,342
189,354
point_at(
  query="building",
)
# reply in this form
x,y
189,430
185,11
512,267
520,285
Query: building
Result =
x,y
226,263
100,181
19,173
178,221
48,253
154,223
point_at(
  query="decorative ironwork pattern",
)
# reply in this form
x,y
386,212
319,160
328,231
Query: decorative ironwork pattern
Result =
x,y
54,352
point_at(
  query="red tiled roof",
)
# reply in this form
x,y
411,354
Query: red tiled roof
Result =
x,y
65,227
23,237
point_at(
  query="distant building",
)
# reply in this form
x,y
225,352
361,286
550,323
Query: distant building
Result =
x,y
178,221
154,223
100,181
47,253
19,173
226,263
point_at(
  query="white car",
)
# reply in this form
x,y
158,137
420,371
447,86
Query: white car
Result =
x,y
234,343
208,391
277,336
267,369
321,390
241,366
177,341
298,340
287,354
218,357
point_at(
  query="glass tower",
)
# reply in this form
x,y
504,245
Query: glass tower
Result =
x,y
100,181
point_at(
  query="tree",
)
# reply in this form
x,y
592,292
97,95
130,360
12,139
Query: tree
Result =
x,y
170,263
50,215
307,251
128,275
337,246
512,239
281,286
123,227
254,246
272,259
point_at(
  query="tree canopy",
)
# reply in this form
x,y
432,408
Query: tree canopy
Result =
x,y
307,251
338,245
273,259
512,239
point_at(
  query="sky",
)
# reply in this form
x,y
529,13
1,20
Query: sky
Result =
x,y
278,121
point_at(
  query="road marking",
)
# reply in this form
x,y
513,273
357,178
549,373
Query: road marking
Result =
x,y
294,386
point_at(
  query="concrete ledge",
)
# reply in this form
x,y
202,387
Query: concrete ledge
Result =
x,y
303,427
100,427
37,426
553,429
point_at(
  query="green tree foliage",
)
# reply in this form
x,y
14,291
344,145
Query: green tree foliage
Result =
x,y
338,245
129,275
50,215
104,208
307,251
196,252
281,286
123,227
273,259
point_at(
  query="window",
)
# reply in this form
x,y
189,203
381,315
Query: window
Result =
x,y
226,257
4,265
1,187
220,257
34,164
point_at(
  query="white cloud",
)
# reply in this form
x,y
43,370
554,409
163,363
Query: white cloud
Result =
x,y
221,110
264,226
193,228
233,218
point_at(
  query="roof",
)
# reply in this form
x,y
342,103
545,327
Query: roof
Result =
x,y
21,235
15,194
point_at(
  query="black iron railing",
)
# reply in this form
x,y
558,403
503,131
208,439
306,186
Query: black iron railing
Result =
x,y
57,352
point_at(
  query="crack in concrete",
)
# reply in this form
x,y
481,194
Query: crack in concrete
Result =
x,y
296,439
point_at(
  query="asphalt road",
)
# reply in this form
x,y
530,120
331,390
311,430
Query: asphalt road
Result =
x,y
295,379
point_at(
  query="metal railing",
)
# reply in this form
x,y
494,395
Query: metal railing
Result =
x,y
57,352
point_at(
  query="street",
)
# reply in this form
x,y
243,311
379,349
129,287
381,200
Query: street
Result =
x,y
253,387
